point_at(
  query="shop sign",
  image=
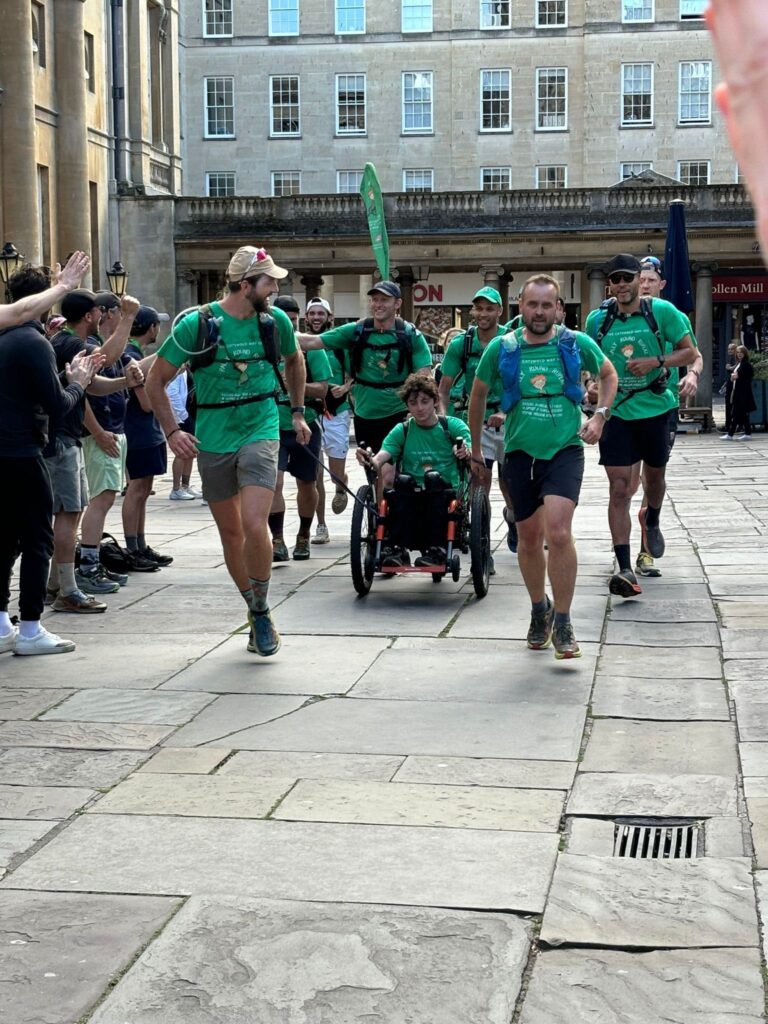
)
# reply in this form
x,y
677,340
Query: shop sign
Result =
x,y
740,289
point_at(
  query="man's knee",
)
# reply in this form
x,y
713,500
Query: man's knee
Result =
x,y
559,536
620,487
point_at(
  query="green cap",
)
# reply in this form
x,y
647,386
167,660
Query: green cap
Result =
x,y
488,293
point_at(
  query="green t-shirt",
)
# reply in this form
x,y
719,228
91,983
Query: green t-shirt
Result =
x,y
319,369
427,448
544,421
381,368
462,388
674,371
228,429
632,338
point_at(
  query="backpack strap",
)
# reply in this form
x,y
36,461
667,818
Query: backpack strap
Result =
x,y
611,308
646,308
404,332
207,341
271,347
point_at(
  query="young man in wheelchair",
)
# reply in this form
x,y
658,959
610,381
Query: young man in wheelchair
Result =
x,y
426,449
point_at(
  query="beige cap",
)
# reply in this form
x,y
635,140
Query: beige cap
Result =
x,y
250,262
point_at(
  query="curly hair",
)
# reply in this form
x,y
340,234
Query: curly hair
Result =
x,y
417,383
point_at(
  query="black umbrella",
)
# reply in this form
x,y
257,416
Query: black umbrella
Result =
x,y
677,269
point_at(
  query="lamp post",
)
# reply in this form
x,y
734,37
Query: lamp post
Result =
x,y
117,277
10,261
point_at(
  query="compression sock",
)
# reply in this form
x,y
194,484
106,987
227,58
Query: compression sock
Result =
x,y
67,578
562,618
305,525
247,596
131,542
259,592
623,556
275,522
652,516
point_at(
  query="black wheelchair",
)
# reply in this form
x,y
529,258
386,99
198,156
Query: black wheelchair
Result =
x,y
435,516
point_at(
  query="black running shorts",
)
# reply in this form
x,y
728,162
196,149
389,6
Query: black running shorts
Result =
x,y
530,480
625,442
296,457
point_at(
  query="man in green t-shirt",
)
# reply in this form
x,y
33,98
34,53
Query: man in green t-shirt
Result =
x,y
639,428
539,366
458,373
384,350
237,422
424,443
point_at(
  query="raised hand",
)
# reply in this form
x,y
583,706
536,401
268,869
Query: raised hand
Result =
x,y
72,274
129,306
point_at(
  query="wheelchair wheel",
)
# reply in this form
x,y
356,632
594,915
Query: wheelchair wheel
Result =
x,y
437,577
455,568
362,542
480,541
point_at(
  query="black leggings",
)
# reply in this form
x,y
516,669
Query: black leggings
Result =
x,y
26,529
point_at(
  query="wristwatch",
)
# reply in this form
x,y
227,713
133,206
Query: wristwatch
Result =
x,y
661,360
604,411
297,409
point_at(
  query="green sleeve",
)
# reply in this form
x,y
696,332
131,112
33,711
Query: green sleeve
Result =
x,y
458,429
394,442
421,355
673,324
183,336
339,337
451,364
319,365
592,357
488,367
590,327
284,332
690,331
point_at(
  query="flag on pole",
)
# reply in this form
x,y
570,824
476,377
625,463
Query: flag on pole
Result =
x,y
677,270
370,190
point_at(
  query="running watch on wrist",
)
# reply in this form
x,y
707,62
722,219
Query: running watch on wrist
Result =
x,y
661,360
297,409
604,411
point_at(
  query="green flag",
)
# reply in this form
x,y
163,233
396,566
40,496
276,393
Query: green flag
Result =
x,y
370,190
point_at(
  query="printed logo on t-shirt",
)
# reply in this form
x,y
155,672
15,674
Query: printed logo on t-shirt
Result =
x,y
539,381
627,351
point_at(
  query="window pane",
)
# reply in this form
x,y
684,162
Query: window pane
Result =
x,y
637,10
693,172
551,98
692,8
218,18
219,106
283,17
637,93
220,184
550,13
553,176
286,183
495,13
695,90
417,101
285,106
635,167
350,104
348,181
417,16
495,101
418,181
496,179
350,16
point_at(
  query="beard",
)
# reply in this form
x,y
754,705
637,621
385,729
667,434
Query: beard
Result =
x,y
259,305
540,327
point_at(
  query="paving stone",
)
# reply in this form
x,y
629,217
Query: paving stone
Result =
x,y
30,766
461,868
137,706
185,761
713,986
202,796
487,771
757,812
649,608
26,704
664,796
743,643
304,765
476,674
44,802
303,667
228,715
668,634
608,901
591,837
746,669
724,837
316,963
754,758
661,748
422,727
382,803
752,716
17,836
664,699
665,663
158,659
87,735
58,953
496,619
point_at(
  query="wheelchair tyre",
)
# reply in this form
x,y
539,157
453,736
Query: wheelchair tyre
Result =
x,y
363,541
437,577
455,568
480,541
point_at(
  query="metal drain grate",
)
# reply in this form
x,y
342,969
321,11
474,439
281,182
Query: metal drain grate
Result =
x,y
656,838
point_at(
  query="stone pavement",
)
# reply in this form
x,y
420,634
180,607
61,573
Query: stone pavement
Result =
x,y
406,816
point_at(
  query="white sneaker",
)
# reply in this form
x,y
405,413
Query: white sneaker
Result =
x,y
726,437
181,495
743,437
43,643
8,640
321,534
191,493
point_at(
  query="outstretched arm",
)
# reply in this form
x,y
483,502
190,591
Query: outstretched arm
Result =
x,y
34,306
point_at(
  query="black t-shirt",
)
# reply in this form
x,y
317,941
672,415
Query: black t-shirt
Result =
x,y
68,428
141,428
110,410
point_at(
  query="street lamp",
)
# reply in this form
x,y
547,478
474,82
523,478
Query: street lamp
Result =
x,y
10,261
420,272
117,277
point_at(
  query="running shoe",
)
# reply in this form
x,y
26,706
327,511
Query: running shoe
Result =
x,y
8,640
540,629
51,593
743,437
264,638
433,556
91,579
42,642
77,602
624,584
321,534
181,495
652,539
116,577
154,556
137,562
339,502
564,641
301,550
644,565
280,551
726,437
394,558
191,491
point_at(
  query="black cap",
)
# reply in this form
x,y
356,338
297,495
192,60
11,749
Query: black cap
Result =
x,y
387,288
107,300
77,304
287,303
624,261
145,318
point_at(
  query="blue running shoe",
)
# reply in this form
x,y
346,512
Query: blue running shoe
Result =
x,y
264,638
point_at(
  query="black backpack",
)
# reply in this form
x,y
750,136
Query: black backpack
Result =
x,y
404,332
659,383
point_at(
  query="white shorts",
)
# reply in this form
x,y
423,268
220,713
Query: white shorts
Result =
x,y
336,435
492,443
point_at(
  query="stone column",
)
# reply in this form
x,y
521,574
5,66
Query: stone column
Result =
x,y
492,277
703,328
326,290
596,277
187,284
312,283
285,287
503,289
406,281
17,132
364,285
73,207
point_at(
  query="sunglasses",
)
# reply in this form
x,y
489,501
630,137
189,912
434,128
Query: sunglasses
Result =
x,y
622,278
653,260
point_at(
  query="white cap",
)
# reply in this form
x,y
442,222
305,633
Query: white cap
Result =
x,y
320,302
